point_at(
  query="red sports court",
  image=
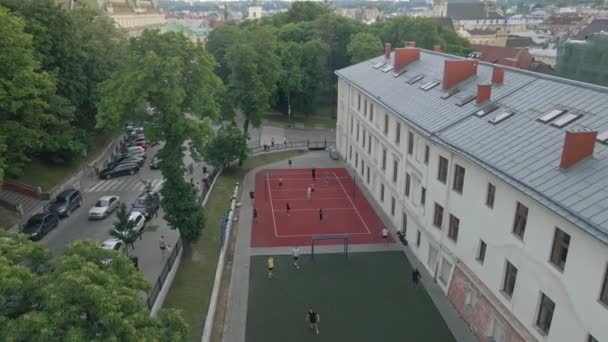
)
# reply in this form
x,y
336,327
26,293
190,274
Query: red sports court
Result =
x,y
345,209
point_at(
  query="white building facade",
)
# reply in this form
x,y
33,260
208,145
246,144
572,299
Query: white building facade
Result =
x,y
515,269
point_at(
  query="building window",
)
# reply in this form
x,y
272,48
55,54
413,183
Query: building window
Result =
x,y
496,331
362,166
418,239
521,217
458,179
352,121
371,112
385,124
591,339
438,216
356,160
398,133
442,174
559,251
446,268
364,138
404,223
545,313
604,293
490,195
350,152
369,144
423,196
357,132
427,153
381,192
470,301
393,206
395,170
383,159
432,260
410,143
510,278
407,185
359,102
365,108
368,175
453,229
481,253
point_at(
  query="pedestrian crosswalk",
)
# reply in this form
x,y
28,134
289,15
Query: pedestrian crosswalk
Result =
x,y
124,184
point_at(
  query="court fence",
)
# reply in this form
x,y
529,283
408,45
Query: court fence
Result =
x,y
295,145
160,281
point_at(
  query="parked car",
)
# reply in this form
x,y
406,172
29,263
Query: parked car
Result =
x,y
40,224
138,154
133,149
112,244
104,207
155,162
139,143
119,170
138,219
140,204
66,202
124,160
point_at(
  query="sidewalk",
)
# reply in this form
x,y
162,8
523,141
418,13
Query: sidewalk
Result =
x,y
236,314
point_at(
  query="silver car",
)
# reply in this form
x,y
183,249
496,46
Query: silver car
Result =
x,y
104,207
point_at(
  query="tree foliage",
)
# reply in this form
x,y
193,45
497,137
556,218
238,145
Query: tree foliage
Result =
x,y
87,294
363,46
123,228
229,144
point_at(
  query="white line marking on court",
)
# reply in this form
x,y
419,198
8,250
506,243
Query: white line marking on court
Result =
x,y
306,199
316,209
276,234
353,204
304,189
308,235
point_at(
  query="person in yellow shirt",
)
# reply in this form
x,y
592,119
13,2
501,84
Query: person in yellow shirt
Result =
x,y
270,266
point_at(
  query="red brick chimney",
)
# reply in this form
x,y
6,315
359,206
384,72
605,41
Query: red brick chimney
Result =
x,y
437,48
578,146
484,92
457,71
410,44
512,62
405,56
387,51
498,75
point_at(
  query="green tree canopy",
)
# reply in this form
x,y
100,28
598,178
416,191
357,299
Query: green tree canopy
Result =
x,y
87,294
363,46
229,144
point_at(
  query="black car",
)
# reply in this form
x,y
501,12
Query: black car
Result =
x,y
119,170
40,224
66,202
132,153
140,204
155,163
126,160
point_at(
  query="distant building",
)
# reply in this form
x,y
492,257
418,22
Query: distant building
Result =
x,y
596,26
475,16
491,37
584,60
547,56
517,58
566,25
367,15
255,12
132,16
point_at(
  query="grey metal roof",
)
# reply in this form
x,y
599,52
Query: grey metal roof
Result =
x,y
520,150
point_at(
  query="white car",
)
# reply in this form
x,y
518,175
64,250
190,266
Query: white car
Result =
x,y
112,244
104,207
138,219
135,149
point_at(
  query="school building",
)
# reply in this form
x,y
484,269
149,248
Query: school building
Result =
x,y
498,177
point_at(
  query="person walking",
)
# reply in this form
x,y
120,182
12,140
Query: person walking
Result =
x,y
295,253
313,320
314,174
385,236
270,263
284,140
309,193
320,214
327,175
288,208
272,142
416,277
255,215
280,182
289,162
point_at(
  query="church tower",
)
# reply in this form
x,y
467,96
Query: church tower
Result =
x,y
440,8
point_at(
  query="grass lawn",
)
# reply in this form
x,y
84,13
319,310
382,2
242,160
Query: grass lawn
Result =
x,y
323,117
193,283
46,176
365,297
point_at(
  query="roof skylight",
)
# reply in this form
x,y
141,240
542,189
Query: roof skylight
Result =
x,y
415,79
466,100
397,74
387,68
501,117
379,65
430,85
486,110
450,93
564,120
603,137
551,115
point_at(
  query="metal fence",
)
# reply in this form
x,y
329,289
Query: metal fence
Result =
x,y
158,285
306,144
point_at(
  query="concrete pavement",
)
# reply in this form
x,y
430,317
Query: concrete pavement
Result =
x,y
236,312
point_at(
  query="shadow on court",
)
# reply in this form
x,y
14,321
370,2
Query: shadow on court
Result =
x,y
366,297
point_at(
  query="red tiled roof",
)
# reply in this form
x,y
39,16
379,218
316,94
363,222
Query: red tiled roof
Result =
x,y
503,55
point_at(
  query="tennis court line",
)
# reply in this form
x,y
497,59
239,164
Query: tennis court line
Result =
x,y
306,199
313,209
309,235
304,189
353,204
274,223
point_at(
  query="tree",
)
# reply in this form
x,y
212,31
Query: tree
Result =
x,y
363,46
87,294
305,11
290,80
124,228
228,145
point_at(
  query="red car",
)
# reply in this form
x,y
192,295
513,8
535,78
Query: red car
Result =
x,y
139,142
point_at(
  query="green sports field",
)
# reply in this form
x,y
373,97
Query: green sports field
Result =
x,y
367,297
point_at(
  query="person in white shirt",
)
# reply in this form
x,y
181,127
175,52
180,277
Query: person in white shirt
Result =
x,y
309,193
385,235
295,253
